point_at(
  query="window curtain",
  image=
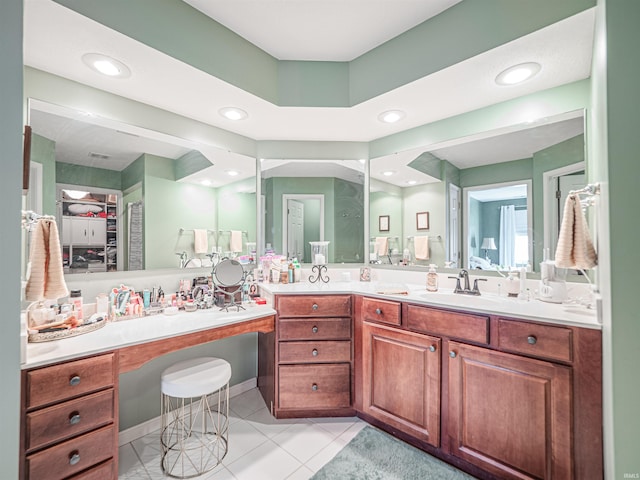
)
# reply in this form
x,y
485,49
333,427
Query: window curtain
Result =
x,y
507,247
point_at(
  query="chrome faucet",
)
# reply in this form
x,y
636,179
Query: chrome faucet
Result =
x,y
183,259
467,290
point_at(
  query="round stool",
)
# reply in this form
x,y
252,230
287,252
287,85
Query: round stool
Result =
x,y
195,416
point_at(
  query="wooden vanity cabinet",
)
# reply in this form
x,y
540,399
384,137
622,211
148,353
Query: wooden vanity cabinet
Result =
x,y
401,380
69,420
309,359
517,399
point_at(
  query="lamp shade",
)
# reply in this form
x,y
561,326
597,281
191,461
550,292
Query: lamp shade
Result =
x,y
488,243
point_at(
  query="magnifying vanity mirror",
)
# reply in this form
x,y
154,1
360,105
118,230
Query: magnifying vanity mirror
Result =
x,y
127,198
463,185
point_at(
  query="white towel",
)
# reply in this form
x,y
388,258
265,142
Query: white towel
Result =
x,y
575,248
382,245
235,244
46,278
200,241
421,245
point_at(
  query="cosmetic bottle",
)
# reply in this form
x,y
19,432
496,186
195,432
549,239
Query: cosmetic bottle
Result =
x,y
432,279
76,299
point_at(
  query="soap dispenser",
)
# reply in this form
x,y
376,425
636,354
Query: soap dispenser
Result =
x,y
432,279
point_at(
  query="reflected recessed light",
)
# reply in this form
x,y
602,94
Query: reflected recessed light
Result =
x,y
106,65
388,173
362,161
518,73
233,113
75,194
412,182
232,173
391,116
206,182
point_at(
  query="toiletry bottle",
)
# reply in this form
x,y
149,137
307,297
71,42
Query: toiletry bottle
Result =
x,y
290,272
432,279
296,270
513,284
76,299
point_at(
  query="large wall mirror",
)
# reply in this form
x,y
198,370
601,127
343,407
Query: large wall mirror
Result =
x,y
127,198
313,200
520,174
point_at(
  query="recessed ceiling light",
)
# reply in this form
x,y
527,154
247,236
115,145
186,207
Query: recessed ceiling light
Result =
x,y
106,65
391,116
412,182
232,173
362,161
518,73
233,113
75,194
388,173
206,182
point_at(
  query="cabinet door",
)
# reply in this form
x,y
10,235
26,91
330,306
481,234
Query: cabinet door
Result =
x,y
79,231
510,415
97,231
401,380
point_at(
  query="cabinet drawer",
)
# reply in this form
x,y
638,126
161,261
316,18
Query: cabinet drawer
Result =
x,y
315,386
69,419
315,329
534,339
465,326
72,456
314,306
104,471
315,352
67,380
374,310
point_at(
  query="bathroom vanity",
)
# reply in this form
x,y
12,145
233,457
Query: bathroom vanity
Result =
x,y
69,408
496,393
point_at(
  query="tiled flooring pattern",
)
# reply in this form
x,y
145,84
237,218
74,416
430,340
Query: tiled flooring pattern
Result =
x,y
260,447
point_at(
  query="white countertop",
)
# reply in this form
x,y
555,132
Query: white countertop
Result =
x,y
564,314
136,331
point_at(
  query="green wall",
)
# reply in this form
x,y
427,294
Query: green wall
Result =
x,y
43,151
11,128
90,176
387,203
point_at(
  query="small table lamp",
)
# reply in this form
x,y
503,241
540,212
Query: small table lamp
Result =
x,y
488,243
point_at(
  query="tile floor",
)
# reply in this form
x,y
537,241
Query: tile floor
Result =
x,y
260,447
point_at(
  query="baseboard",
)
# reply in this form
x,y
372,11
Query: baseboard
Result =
x,y
144,428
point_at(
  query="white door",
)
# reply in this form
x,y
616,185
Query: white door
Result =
x,y
295,229
454,226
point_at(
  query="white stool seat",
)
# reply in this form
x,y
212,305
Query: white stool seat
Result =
x,y
195,416
195,377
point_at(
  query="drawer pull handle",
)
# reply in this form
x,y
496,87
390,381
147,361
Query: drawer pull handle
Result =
x,y
75,380
74,457
452,354
314,306
532,340
314,387
314,352
378,311
74,418
432,348
314,329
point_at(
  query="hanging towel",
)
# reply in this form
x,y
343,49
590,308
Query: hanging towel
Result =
x,y
421,245
46,278
382,245
575,248
235,244
200,241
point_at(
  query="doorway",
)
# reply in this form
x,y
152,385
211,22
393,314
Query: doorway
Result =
x,y
302,222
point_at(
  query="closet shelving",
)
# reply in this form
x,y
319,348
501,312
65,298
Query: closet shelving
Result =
x,y
89,233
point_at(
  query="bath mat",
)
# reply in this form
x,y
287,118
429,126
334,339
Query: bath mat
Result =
x,y
376,455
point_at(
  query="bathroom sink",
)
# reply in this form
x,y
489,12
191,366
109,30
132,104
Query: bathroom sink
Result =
x,y
458,299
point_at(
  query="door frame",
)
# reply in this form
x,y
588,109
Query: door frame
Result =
x,y
300,196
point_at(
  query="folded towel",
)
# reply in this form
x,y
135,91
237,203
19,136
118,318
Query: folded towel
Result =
x,y
200,241
46,277
575,248
235,244
382,245
421,245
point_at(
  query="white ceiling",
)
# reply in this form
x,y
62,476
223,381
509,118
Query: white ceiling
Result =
x,y
320,30
56,38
